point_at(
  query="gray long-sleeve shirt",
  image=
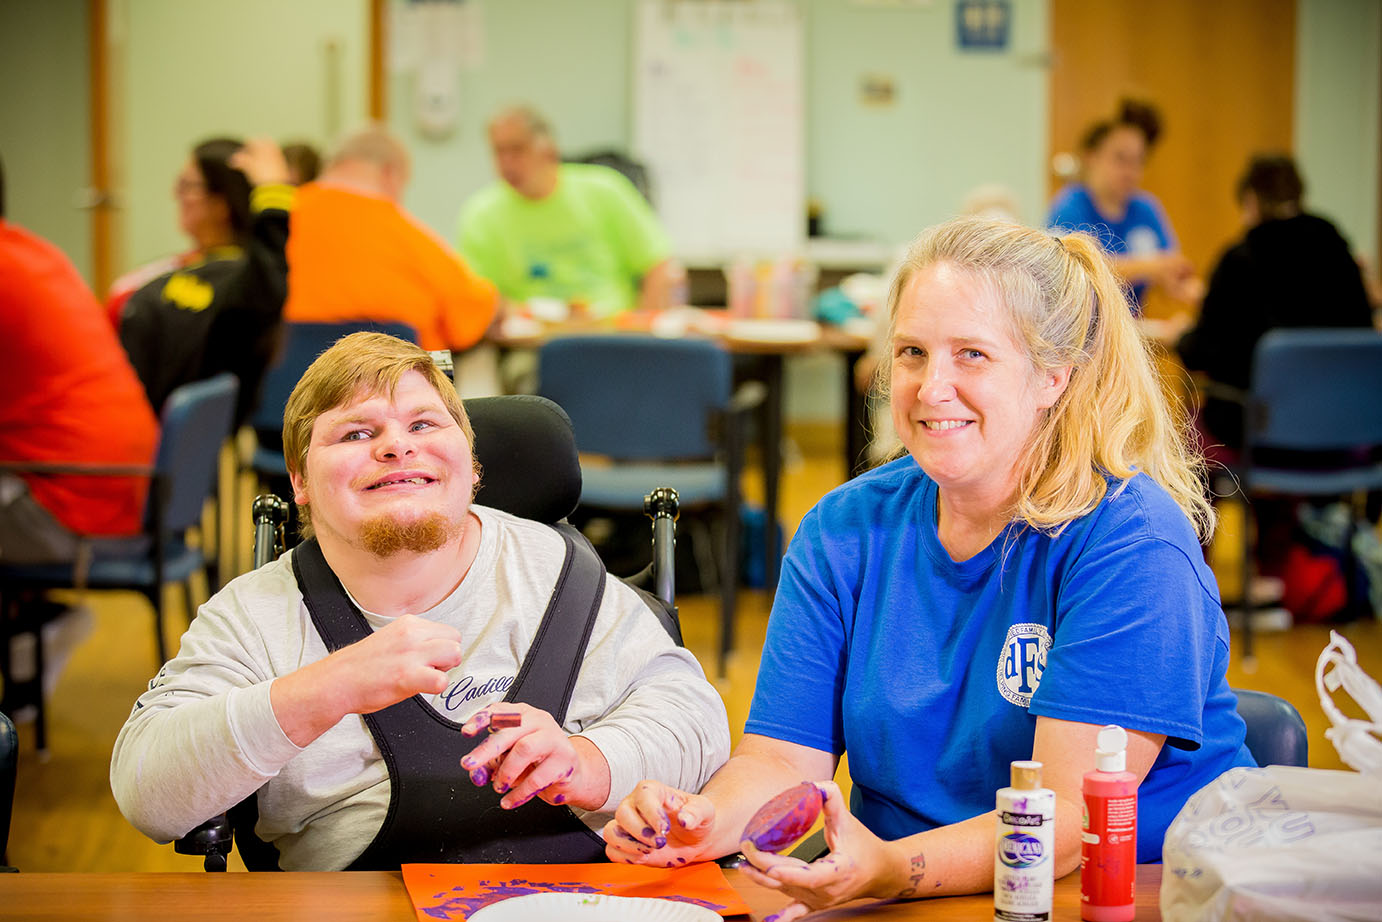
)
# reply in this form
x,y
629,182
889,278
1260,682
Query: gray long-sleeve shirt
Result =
x,y
204,736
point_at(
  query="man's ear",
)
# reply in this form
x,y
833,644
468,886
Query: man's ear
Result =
x,y
299,483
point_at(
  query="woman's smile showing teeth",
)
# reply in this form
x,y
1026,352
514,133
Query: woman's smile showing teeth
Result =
x,y
935,424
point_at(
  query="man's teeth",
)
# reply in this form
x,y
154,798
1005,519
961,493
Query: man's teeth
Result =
x,y
417,480
946,423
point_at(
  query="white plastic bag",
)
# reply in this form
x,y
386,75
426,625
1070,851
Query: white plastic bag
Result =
x,y
1283,843
1276,843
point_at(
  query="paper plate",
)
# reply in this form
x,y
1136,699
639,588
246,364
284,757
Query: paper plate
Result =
x,y
591,907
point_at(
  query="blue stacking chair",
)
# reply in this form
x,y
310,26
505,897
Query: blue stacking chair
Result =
x,y
663,412
300,346
196,420
1276,732
1313,390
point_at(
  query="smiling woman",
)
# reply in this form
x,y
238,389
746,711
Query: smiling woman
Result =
x,y
1028,573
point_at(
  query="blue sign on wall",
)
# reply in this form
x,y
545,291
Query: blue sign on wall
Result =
x,y
982,25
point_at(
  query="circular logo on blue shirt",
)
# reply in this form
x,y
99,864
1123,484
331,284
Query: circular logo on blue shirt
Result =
x,y
1022,661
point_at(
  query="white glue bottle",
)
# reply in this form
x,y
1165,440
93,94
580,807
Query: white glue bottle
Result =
x,y
1024,848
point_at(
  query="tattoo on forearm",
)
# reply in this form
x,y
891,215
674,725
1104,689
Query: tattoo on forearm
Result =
x,y
918,873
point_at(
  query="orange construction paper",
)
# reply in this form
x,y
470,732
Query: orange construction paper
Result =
x,y
454,891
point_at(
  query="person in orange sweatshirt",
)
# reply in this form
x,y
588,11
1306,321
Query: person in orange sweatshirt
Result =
x,y
355,254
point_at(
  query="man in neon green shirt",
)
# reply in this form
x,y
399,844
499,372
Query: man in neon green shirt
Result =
x,y
575,232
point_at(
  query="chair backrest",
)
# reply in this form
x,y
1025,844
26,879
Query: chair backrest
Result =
x,y
632,170
9,760
299,347
527,453
1276,732
1316,389
638,398
197,419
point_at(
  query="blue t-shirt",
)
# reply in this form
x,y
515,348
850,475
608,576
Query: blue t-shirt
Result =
x,y
931,673
1144,230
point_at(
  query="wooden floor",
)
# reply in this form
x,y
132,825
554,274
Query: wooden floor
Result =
x,y
65,818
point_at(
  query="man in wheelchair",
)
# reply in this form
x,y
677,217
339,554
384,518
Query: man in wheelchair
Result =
x,y
354,683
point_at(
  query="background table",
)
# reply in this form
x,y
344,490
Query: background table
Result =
x,y
764,360
380,895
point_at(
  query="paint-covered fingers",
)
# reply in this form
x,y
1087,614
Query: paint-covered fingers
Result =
x,y
502,716
527,755
766,862
660,826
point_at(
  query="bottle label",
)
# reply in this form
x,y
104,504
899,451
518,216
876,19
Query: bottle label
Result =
x,y
1108,854
1022,884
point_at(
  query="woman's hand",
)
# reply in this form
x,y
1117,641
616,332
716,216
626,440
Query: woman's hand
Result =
x,y
859,865
535,758
261,160
660,826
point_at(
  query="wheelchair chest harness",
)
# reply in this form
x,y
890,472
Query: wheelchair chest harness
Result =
x,y
435,813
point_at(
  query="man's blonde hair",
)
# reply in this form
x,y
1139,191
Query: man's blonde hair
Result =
x,y
1065,307
356,367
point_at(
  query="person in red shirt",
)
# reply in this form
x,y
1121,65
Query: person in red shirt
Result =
x,y
355,254
71,397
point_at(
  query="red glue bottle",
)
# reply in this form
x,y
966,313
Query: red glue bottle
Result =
x,y
1108,855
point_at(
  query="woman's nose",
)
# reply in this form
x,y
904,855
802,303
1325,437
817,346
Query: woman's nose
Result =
x,y
935,384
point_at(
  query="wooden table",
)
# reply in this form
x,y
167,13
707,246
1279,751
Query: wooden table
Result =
x,y
380,895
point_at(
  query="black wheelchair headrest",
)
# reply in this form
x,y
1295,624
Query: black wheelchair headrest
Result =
x,y
527,454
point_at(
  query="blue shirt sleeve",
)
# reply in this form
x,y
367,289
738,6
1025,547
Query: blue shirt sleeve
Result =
x,y
1136,626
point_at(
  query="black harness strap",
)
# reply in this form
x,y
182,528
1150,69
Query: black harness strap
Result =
x,y
435,813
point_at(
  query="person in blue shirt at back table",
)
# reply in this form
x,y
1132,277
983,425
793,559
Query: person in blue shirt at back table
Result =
x,y
1027,573
1109,203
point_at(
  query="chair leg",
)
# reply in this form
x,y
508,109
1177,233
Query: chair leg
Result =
x,y
189,600
1245,590
729,587
155,596
40,709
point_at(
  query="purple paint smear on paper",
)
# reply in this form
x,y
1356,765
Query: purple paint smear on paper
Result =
x,y
458,904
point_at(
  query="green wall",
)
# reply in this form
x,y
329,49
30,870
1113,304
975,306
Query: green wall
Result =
x,y
194,68
880,172
44,134
1338,113
201,68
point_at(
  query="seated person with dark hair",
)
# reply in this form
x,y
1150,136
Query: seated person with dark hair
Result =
x,y
219,309
447,600
1291,269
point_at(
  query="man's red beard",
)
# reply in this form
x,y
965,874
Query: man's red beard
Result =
x,y
386,536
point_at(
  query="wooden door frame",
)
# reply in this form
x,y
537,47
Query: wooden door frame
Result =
x,y
378,85
99,126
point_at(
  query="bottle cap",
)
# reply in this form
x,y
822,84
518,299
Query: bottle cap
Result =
x,y
1026,776
1111,752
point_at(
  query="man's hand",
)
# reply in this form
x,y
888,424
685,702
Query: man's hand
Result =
x,y
261,160
859,865
535,759
660,826
409,656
